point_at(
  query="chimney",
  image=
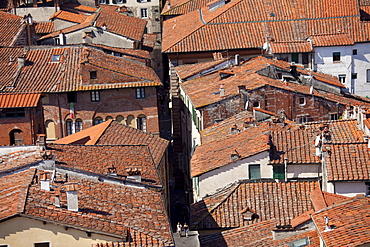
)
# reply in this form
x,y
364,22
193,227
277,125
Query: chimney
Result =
x,y
61,38
72,197
235,155
237,60
45,178
293,70
327,226
134,174
222,91
21,62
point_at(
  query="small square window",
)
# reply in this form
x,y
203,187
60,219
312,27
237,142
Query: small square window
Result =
x,y
95,96
279,75
302,119
354,52
354,76
93,75
71,97
336,56
41,245
254,172
302,101
56,58
144,13
333,116
278,172
342,78
140,93
256,104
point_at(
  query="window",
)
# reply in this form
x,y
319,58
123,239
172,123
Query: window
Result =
x,y
69,126
256,104
95,96
367,184
295,57
144,13
278,172
336,56
305,58
254,172
300,242
302,119
120,119
78,125
103,1
56,58
12,113
333,116
98,120
368,75
140,93
141,123
354,52
279,75
119,1
16,137
108,117
41,245
301,101
342,78
93,75
354,76
72,97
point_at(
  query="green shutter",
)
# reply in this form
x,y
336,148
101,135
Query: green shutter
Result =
x,y
254,172
279,172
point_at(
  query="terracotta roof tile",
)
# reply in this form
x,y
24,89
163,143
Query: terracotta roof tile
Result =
x,y
41,74
236,26
118,211
13,158
269,200
10,27
348,162
290,47
215,154
78,7
181,7
350,221
14,188
149,39
69,16
141,54
44,27
11,100
331,40
98,158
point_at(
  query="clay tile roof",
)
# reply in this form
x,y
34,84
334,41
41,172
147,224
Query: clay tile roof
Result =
x,y
225,28
78,7
321,199
131,27
19,100
44,27
10,28
222,129
188,70
13,193
69,16
40,72
113,133
331,40
348,162
15,157
180,7
97,159
149,40
289,47
213,155
349,220
132,53
119,211
269,200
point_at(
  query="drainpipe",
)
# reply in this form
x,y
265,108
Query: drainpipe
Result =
x,y
286,168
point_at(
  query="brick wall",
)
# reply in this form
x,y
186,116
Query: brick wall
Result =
x,y
113,103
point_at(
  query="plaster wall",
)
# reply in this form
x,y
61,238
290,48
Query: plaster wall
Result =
x,y
350,188
24,232
304,171
217,179
38,14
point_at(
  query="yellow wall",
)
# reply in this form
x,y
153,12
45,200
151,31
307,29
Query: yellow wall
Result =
x,y
24,232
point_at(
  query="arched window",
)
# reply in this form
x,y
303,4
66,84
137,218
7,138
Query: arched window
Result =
x,y
78,125
131,121
16,137
108,117
50,129
98,120
69,126
141,122
120,119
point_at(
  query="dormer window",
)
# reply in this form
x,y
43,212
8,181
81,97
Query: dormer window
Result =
x,y
93,75
55,58
301,101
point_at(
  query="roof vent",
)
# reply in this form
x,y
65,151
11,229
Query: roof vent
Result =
x,y
72,197
134,174
234,129
249,214
215,5
235,155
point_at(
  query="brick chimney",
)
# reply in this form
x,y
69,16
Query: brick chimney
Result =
x,y
45,178
72,197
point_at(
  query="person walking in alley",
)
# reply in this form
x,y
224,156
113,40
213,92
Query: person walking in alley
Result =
x,y
178,228
186,229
